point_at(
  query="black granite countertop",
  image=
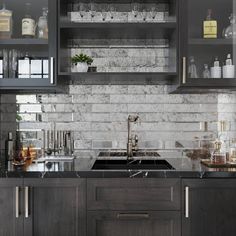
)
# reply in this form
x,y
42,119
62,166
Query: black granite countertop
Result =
x,y
81,168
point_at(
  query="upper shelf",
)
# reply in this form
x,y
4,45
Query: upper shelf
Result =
x,y
208,42
118,30
23,41
116,25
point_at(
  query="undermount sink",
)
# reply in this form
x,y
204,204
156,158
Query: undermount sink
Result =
x,y
132,165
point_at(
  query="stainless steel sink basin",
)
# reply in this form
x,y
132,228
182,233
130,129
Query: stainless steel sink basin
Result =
x,y
132,165
124,154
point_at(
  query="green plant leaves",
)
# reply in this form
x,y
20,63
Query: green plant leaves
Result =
x,y
81,58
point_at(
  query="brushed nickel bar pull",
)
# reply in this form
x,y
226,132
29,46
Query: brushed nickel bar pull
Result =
x,y
17,202
26,202
133,215
184,70
186,202
51,70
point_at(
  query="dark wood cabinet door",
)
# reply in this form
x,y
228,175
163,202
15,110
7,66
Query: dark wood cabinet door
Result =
x,y
11,220
56,207
133,194
107,223
211,207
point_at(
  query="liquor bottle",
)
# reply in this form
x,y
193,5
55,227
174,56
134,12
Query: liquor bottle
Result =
x,y
28,23
192,70
209,26
9,147
43,24
5,23
206,72
24,67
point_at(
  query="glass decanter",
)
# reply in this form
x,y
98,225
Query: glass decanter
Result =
x,y
192,69
230,31
206,72
43,24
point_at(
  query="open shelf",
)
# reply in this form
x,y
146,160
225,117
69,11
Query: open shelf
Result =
x,y
116,25
212,42
23,41
122,76
211,83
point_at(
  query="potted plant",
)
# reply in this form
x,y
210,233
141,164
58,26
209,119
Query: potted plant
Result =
x,y
81,62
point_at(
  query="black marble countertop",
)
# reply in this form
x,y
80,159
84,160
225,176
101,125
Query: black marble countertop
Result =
x,y
81,168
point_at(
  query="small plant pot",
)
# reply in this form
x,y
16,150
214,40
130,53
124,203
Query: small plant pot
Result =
x,y
80,67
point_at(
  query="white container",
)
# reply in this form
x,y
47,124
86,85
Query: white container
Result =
x,y
80,67
228,71
216,72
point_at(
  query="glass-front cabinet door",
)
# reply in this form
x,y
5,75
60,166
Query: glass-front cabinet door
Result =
x,y
28,43
207,45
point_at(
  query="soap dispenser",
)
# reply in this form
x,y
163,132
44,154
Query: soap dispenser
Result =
x,y
228,68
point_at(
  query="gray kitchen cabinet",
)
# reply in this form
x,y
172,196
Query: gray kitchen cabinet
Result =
x,y
54,207
140,207
148,223
11,220
133,194
209,207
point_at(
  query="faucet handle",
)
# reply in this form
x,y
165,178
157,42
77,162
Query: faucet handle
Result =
x,y
135,144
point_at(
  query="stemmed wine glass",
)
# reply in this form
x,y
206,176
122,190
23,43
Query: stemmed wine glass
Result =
x,y
93,9
112,11
82,9
135,9
104,11
144,14
153,12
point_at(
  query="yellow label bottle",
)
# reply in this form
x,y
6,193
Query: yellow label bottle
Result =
x,y
209,26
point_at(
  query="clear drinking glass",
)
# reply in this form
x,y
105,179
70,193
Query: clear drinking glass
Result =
x,y
112,10
153,12
144,14
82,9
135,9
92,9
104,10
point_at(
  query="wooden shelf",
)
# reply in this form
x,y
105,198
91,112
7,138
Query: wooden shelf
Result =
x,y
211,83
161,30
69,25
125,77
212,42
23,41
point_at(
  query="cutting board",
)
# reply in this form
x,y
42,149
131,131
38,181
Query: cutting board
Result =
x,y
209,164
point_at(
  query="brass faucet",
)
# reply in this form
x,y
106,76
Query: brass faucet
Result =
x,y
132,144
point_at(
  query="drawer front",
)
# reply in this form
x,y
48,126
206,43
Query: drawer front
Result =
x,y
150,223
133,194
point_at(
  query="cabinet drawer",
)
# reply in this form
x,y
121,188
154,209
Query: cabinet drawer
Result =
x,y
116,223
133,194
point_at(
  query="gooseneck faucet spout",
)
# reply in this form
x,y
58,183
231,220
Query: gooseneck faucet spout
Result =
x,y
132,144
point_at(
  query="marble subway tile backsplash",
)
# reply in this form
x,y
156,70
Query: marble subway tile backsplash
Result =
x,y
98,116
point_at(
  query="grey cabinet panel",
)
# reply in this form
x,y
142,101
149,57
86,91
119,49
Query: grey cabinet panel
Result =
x,y
10,225
212,207
133,194
107,223
56,207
